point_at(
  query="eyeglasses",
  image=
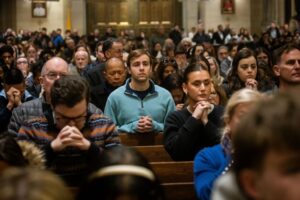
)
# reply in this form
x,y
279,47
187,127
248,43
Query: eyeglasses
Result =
x,y
54,75
22,62
66,120
168,61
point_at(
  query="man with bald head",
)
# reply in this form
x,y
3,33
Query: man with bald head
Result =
x,y
114,74
52,70
112,48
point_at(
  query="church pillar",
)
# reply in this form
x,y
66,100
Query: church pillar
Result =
x,y
78,15
190,13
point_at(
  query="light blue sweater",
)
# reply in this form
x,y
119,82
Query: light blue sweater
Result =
x,y
125,108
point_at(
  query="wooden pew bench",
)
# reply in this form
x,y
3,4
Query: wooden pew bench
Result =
x,y
156,153
179,191
141,139
176,178
172,172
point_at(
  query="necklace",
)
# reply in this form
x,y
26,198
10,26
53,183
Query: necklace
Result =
x,y
228,167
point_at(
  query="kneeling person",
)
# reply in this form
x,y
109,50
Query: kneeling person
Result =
x,y
74,142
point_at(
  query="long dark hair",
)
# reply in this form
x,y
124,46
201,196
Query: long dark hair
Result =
x,y
235,83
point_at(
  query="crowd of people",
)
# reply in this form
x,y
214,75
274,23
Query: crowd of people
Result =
x,y
218,98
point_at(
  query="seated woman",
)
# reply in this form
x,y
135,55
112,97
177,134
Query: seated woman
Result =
x,y
217,94
173,83
211,162
123,174
189,130
165,67
245,73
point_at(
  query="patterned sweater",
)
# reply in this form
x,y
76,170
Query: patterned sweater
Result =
x,y
72,164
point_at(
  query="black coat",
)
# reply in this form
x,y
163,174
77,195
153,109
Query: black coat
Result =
x,y
184,135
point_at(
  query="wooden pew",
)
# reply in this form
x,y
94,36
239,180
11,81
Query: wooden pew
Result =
x,y
176,178
141,139
174,172
156,153
179,191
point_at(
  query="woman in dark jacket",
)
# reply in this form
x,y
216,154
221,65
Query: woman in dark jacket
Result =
x,y
196,126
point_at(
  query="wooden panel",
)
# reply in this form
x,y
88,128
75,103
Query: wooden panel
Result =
x,y
155,11
167,11
156,153
173,172
179,191
144,139
100,12
139,15
113,12
124,14
143,12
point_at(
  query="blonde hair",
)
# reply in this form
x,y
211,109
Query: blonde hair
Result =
x,y
244,95
32,184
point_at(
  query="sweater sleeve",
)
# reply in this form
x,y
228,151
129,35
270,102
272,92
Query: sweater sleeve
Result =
x,y
5,115
208,166
14,124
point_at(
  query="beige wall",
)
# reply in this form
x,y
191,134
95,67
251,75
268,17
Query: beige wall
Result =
x,y
55,16
211,14
248,14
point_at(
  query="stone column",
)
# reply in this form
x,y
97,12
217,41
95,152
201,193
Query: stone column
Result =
x,y
78,15
189,13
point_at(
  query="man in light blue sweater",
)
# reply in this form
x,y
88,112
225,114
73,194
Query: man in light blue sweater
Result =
x,y
139,106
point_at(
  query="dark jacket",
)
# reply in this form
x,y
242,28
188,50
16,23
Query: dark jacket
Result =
x,y
184,135
100,93
95,75
5,113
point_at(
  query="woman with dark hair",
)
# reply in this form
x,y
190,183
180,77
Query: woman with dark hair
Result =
x,y
244,73
173,83
165,67
217,94
196,126
123,174
195,51
262,55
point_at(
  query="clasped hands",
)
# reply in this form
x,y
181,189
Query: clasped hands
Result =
x,y
13,97
70,136
201,111
145,124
